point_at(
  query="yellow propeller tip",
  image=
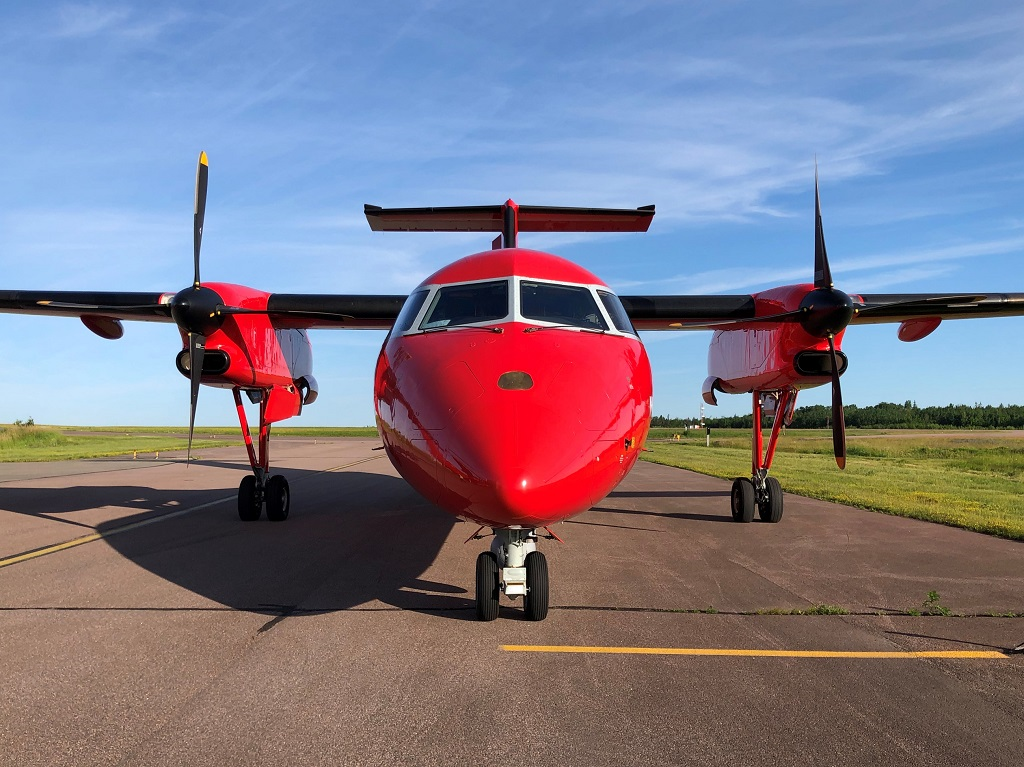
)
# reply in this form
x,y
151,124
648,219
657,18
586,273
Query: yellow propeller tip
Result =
x,y
202,159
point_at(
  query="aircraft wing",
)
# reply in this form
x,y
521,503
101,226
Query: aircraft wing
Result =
x,y
696,312
300,310
359,312
897,307
686,312
122,306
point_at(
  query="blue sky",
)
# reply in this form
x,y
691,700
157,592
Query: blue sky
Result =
x,y
713,111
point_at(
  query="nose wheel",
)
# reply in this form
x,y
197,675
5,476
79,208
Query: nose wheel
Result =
x,y
514,567
486,586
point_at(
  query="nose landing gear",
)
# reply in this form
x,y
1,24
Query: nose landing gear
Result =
x,y
515,567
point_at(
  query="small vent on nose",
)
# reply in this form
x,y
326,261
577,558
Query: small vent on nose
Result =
x,y
515,381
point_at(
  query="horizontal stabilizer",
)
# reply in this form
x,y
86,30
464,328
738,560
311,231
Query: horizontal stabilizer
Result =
x,y
489,218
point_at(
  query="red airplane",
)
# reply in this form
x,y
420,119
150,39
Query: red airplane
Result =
x,y
513,388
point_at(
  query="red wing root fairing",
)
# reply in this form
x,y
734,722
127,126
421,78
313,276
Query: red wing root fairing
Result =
x,y
512,388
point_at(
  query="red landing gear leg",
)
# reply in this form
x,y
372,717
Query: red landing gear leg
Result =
x,y
761,490
259,487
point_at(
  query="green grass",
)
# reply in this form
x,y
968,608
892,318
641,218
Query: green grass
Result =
x,y
973,480
231,431
47,443
22,443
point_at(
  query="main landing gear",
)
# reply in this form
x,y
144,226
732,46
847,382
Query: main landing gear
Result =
x,y
515,567
259,488
760,490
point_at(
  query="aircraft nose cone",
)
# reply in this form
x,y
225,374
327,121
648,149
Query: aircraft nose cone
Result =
x,y
532,456
514,460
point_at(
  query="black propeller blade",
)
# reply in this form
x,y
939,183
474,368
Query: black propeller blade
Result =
x,y
924,303
202,180
196,353
822,274
838,417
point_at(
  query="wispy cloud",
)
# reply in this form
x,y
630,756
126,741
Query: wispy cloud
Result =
x,y
87,20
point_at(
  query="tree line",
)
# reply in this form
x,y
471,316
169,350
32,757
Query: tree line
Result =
x,y
885,415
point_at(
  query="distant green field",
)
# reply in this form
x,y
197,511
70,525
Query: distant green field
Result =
x,y
970,479
21,442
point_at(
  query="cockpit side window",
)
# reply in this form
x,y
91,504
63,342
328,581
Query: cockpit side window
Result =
x,y
409,310
468,304
564,304
617,312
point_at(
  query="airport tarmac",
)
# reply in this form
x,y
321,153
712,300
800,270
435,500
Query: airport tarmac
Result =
x,y
147,625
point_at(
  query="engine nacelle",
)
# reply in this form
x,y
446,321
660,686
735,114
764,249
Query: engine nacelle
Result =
x,y
247,351
768,359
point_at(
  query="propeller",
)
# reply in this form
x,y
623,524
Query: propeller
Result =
x,y
825,312
197,311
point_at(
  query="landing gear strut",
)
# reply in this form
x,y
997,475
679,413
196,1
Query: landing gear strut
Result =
x,y
515,567
762,491
260,488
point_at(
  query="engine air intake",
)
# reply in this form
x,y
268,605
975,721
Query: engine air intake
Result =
x,y
818,364
215,362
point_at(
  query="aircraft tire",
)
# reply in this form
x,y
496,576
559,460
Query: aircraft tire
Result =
x,y
249,502
486,586
279,498
771,509
535,603
742,498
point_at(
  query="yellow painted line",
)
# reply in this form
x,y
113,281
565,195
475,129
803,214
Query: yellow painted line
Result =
x,y
350,465
35,554
725,652
105,534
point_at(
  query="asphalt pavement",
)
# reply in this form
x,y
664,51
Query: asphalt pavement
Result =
x,y
141,623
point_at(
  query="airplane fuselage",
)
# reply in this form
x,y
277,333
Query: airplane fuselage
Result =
x,y
512,391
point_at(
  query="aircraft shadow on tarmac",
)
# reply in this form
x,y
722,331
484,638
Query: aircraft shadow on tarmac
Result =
x,y
723,517
669,494
352,538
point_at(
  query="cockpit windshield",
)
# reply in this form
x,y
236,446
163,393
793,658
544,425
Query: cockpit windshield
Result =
x,y
572,305
617,312
467,304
